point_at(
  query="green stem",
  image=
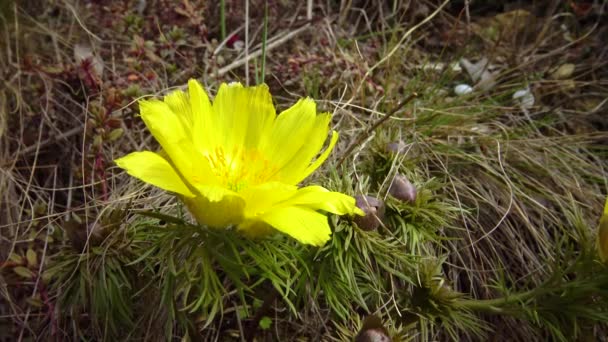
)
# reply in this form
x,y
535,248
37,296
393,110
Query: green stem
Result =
x,y
497,305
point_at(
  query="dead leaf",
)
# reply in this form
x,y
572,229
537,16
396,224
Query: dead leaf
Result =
x,y
479,73
475,70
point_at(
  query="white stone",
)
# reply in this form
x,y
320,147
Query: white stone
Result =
x,y
524,97
463,89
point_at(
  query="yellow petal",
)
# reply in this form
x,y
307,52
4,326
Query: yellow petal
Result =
x,y
153,169
175,139
305,225
269,196
205,133
287,209
255,229
245,114
169,131
179,103
226,212
318,198
294,171
229,107
321,159
262,115
162,122
289,133
214,193
260,199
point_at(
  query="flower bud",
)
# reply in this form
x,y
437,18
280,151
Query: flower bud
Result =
x,y
374,212
373,331
402,189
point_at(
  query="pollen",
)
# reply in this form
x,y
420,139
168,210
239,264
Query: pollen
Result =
x,y
240,168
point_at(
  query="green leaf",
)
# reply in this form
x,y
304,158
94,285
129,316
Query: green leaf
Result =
x,y
115,134
15,258
257,303
35,301
97,140
32,258
265,323
24,272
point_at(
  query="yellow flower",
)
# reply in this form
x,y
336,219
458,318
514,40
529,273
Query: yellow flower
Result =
x,y
236,163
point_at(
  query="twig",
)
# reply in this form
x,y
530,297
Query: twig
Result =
x,y
42,144
225,41
75,14
309,10
238,322
373,127
402,40
258,53
247,57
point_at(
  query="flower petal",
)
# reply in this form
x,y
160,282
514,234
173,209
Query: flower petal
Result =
x,y
245,114
293,211
289,133
223,213
214,193
318,198
321,159
303,224
179,103
163,123
255,229
261,199
205,135
175,139
262,115
269,196
153,169
295,171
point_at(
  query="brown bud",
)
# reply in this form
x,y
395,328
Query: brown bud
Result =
x,y
372,331
373,209
402,189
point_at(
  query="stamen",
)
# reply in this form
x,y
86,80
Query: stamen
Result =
x,y
240,168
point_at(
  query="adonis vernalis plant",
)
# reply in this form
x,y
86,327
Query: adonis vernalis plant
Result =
x,y
234,162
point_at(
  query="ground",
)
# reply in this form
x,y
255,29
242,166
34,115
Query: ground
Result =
x,y
491,117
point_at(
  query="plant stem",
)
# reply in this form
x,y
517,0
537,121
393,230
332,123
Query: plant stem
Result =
x,y
496,305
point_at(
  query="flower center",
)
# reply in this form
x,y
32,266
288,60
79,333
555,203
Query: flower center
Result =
x,y
239,168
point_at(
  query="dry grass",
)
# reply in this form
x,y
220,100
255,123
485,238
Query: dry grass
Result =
x,y
508,196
